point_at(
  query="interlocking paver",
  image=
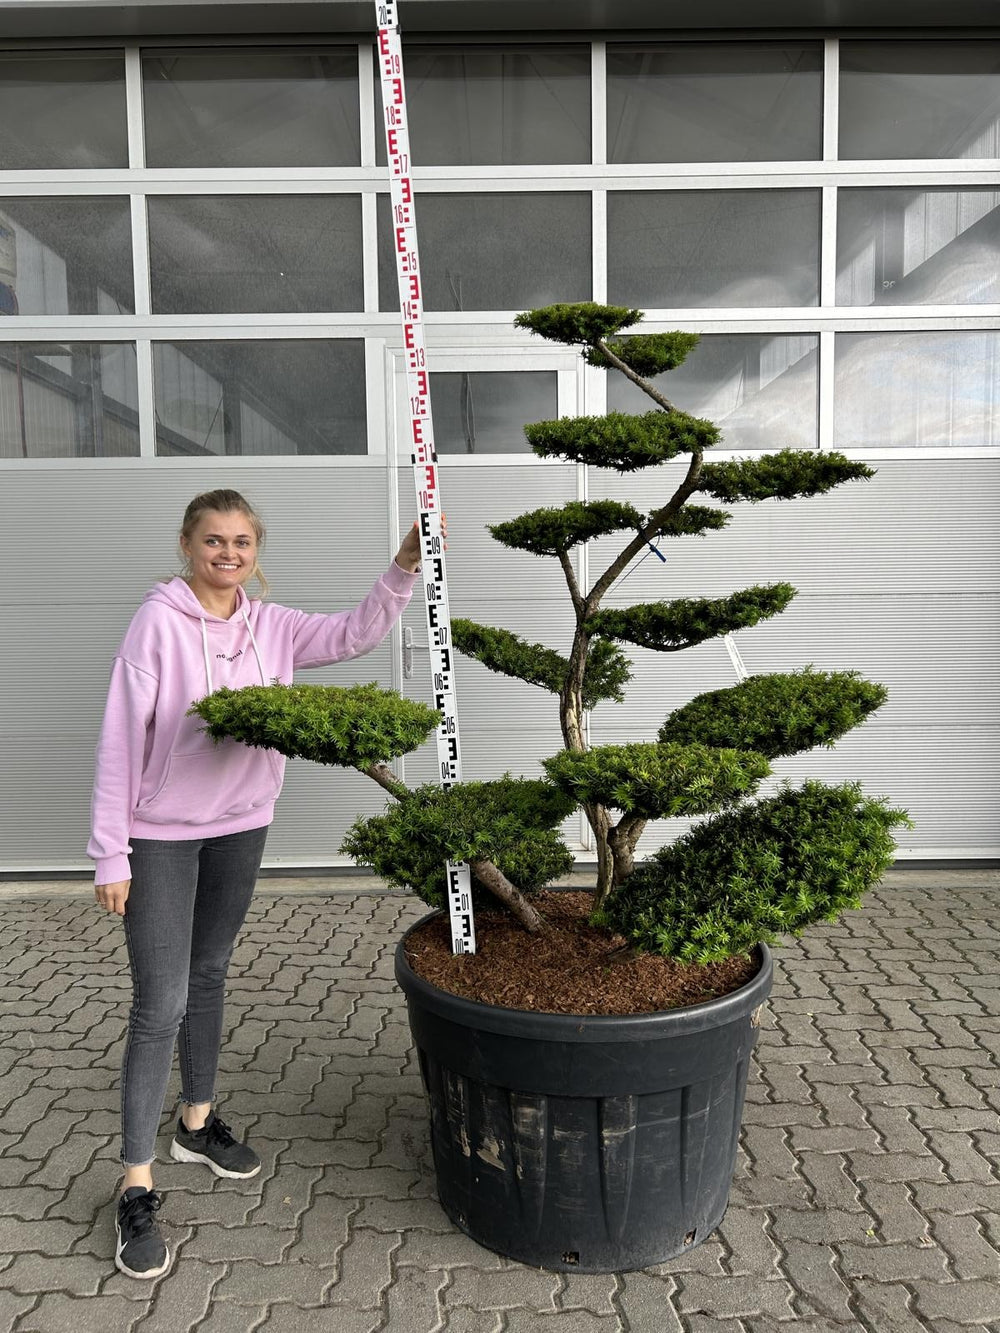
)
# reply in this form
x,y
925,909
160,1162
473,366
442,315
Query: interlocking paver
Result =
x,y
865,1186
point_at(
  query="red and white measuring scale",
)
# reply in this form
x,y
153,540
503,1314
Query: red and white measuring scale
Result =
x,y
422,452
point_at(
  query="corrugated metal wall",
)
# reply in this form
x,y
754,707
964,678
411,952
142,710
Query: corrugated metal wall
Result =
x,y
894,578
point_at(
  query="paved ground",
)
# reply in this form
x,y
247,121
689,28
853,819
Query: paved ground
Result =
x,y
867,1194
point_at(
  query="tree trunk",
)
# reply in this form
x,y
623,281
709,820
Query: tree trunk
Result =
x,y
500,886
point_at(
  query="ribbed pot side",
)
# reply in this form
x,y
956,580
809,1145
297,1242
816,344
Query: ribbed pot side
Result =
x,y
592,1144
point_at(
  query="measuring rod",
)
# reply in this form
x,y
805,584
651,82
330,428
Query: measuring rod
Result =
x,y
422,452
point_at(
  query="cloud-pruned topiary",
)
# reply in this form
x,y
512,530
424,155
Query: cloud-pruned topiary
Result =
x,y
780,713
750,875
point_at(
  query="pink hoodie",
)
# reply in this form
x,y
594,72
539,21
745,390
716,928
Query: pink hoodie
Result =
x,y
157,775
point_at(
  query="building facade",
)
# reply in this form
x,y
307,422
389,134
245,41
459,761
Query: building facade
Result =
x,y
197,289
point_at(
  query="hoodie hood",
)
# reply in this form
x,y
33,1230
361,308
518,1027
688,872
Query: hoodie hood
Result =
x,y
178,596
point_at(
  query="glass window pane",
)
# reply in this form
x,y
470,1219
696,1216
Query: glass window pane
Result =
x,y
920,99
762,389
62,110
494,106
917,390
65,256
255,253
494,251
250,108
292,396
715,102
68,400
918,247
684,248
484,412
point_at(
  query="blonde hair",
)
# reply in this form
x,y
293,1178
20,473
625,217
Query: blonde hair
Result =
x,y
224,501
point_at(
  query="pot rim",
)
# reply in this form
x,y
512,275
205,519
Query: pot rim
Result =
x,y
685,1019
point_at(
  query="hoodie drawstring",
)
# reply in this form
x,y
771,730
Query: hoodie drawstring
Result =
x,y
256,650
208,664
208,660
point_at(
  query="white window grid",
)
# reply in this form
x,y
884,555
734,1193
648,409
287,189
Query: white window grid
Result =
x,y
482,331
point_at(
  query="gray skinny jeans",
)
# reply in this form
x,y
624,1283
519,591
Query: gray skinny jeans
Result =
x,y
186,905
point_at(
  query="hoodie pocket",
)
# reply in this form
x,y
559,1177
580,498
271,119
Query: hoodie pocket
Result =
x,y
205,786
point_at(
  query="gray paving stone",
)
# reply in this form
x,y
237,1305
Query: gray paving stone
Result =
x,y
364,1269
967,1242
972,1302
648,1303
894,1263
734,1297
326,1319
59,1313
250,1283
588,1291
577,1321
505,1289
30,1273
817,1285
415,1302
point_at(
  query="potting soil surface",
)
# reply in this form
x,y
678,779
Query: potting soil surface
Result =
x,y
571,968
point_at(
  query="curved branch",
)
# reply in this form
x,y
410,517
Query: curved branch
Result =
x,y
501,887
571,582
649,529
386,778
635,377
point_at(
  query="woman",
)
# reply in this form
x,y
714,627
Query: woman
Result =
x,y
179,825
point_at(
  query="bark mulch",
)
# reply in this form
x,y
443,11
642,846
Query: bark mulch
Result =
x,y
571,968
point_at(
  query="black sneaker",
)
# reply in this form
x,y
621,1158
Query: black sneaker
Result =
x,y
141,1250
215,1146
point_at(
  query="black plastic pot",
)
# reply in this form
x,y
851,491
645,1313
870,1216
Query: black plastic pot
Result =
x,y
593,1144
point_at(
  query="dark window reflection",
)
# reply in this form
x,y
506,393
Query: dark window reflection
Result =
x,y
493,106
715,102
62,110
495,251
249,108
288,396
255,253
484,412
68,400
65,256
920,99
673,249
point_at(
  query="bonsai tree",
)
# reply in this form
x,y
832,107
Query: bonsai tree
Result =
x,y
756,868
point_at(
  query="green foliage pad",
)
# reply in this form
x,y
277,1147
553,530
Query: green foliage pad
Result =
x,y
670,626
657,781
607,672
782,476
646,353
511,822
353,727
577,322
556,531
777,714
746,876
620,440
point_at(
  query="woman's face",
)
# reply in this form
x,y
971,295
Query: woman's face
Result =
x,y
222,550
